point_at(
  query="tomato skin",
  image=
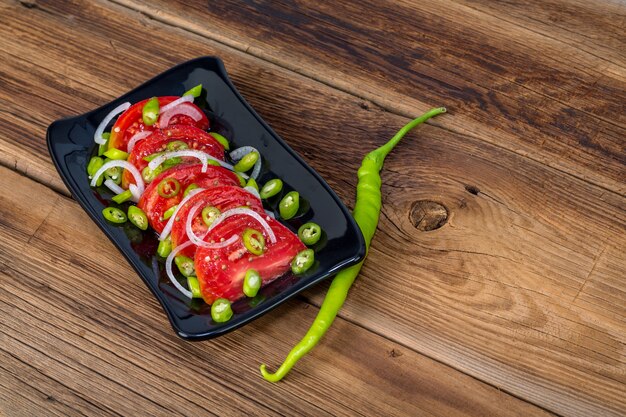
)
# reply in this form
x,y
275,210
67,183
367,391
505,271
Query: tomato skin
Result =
x,y
224,198
196,139
221,271
154,205
131,122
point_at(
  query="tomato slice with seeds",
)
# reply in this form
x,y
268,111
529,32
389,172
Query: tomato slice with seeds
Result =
x,y
223,198
155,206
221,272
130,122
194,138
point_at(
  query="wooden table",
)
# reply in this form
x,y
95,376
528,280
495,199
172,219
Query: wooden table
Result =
x,y
496,284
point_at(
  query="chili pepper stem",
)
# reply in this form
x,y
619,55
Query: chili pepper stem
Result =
x,y
366,212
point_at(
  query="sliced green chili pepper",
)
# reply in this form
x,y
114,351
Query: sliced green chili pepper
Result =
x,y
116,154
138,217
302,261
254,241
242,180
221,311
271,188
194,287
150,111
149,175
150,157
189,189
247,162
212,162
170,162
209,214
165,247
221,139
185,265
95,163
103,148
310,233
168,213
168,188
366,213
121,197
176,145
252,183
114,215
251,283
114,174
289,205
195,91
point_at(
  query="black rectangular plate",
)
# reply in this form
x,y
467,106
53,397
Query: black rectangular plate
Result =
x,y
71,145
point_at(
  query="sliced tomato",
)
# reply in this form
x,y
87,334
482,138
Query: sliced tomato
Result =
x,y
196,139
223,198
154,205
130,122
221,271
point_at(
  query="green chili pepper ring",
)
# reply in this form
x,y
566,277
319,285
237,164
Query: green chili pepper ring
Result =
x,y
366,213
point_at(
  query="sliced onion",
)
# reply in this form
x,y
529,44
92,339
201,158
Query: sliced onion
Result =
x,y
170,223
202,156
270,213
252,191
239,153
184,99
184,109
170,274
136,138
256,216
200,241
113,187
134,190
97,137
124,164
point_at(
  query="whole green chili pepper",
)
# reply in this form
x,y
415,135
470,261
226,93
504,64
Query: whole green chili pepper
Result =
x,y
366,213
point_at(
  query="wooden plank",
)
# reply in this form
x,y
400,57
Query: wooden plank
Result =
x,y
80,334
507,84
509,272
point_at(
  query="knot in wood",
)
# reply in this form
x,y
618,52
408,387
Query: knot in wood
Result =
x,y
428,215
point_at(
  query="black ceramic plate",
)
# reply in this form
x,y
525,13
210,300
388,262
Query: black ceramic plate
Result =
x,y
70,142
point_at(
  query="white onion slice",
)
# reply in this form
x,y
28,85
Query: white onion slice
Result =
x,y
170,223
256,216
202,156
200,241
124,164
184,109
170,274
136,138
134,190
239,153
97,137
184,99
113,187
270,213
252,191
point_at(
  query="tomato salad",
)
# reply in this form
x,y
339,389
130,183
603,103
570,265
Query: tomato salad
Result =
x,y
171,173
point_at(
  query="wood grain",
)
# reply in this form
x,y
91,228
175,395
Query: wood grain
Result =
x,y
81,335
540,96
522,287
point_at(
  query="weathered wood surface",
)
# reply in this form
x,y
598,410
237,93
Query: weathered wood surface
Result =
x,y
522,288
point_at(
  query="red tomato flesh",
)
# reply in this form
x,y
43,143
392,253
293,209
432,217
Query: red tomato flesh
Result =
x,y
221,271
224,198
196,139
131,122
154,205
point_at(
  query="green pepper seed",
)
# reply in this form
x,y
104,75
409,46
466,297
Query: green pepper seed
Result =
x,y
221,310
310,233
247,162
176,145
150,111
114,174
289,205
189,189
138,217
252,183
221,139
169,212
185,265
165,247
116,154
122,197
103,148
114,215
251,283
194,287
209,214
303,261
195,91
271,188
